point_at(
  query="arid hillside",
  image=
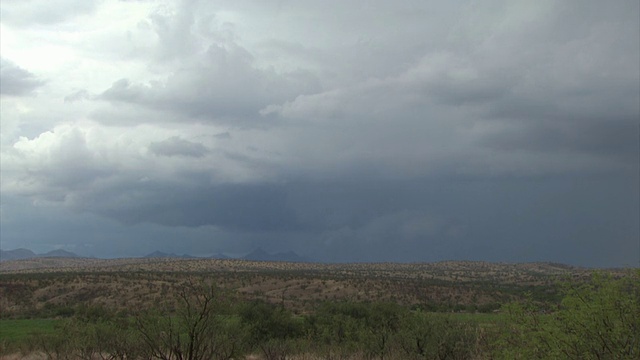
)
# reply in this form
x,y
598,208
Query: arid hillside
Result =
x,y
51,286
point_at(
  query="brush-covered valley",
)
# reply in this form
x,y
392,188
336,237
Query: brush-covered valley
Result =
x,y
77,308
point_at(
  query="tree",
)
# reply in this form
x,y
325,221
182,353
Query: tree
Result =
x,y
437,336
199,330
338,328
271,328
596,320
383,322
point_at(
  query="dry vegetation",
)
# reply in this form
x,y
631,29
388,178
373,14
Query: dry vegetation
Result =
x,y
31,287
234,309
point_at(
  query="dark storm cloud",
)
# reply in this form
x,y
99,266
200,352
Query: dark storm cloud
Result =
x,y
17,81
176,146
246,208
615,139
552,85
507,220
432,219
540,88
410,131
554,219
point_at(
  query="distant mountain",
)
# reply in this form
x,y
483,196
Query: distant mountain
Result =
x,y
257,255
290,256
19,254
16,254
59,253
260,255
160,254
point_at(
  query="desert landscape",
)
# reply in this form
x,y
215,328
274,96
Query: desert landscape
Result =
x,y
306,180
121,283
476,298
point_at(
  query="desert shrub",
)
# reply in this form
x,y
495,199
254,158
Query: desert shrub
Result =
x,y
200,329
92,333
437,336
596,320
338,329
383,323
346,328
271,329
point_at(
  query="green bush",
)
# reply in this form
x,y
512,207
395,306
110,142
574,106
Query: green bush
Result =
x,y
270,328
437,336
596,320
85,337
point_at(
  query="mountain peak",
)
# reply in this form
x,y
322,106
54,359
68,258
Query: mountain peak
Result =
x,y
16,254
260,254
19,254
159,254
59,253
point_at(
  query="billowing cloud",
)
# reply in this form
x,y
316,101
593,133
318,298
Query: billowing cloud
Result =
x,y
400,131
210,76
224,89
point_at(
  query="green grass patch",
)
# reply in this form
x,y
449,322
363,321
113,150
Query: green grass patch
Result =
x,y
15,331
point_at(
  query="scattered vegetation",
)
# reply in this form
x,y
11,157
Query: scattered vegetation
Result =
x,y
281,314
596,320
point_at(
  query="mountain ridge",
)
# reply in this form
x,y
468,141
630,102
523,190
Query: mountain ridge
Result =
x,y
21,254
260,254
159,254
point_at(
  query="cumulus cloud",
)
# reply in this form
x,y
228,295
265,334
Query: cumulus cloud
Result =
x,y
135,176
210,76
225,88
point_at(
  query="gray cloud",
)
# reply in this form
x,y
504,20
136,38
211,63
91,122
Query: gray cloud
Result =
x,y
521,220
226,88
211,77
245,208
615,139
403,131
176,146
17,81
512,87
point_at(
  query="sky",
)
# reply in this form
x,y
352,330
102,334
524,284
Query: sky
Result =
x,y
375,131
